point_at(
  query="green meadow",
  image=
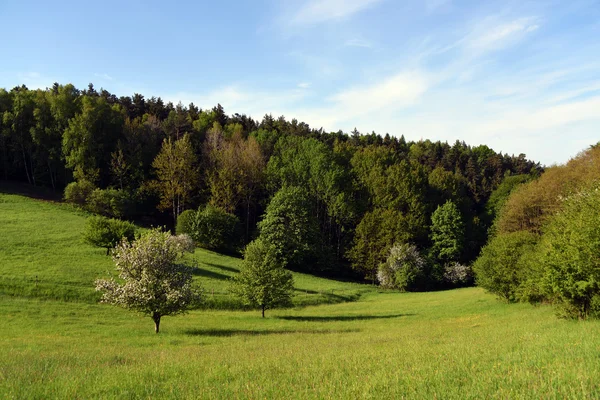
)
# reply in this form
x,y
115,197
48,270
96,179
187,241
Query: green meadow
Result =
x,y
340,340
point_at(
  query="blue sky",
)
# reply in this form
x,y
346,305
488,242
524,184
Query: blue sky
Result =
x,y
519,76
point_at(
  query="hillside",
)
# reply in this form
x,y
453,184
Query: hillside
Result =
x,y
59,343
44,257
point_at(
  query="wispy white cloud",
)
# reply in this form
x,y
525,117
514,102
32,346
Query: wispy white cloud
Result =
x,y
500,35
318,11
358,43
398,91
104,76
304,85
433,5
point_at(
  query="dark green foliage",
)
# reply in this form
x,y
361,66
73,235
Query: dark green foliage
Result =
x,y
78,192
107,232
289,227
185,222
211,228
375,235
500,268
447,233
114,203
164,157
263,282
217,230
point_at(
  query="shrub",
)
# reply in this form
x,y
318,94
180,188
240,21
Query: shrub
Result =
x,y
183,243
403,270
185,222
79,192
500,268
458,274
569,250
106,232
212,228
108,202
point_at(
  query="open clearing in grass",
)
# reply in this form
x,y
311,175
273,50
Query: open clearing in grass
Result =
x,y
458,344
455,345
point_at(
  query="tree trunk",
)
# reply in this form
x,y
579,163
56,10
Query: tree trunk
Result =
x,y
156,318
263,310
108,251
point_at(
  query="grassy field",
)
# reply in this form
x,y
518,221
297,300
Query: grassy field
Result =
x,y
58,343
43,256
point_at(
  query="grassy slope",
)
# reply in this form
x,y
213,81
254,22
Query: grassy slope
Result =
x,y
43,256
456,344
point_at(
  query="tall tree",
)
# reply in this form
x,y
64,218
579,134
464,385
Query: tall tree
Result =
x,y
176,171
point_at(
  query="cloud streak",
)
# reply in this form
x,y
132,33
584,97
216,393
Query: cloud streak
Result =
x,y
319,11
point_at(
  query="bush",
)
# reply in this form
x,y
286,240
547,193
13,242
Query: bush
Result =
x,y
185,222
107,232
500,268
404,269
569,250
458,274
211,228
78,192
109,202
183,243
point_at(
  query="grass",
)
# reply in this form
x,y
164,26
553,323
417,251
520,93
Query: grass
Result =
x,y
57,342
43,256
455,345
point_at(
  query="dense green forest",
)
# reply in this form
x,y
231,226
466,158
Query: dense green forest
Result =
x,y
336,202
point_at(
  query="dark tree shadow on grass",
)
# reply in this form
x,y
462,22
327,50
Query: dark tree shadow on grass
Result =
x,y
246,332
210,274
223,267
334,318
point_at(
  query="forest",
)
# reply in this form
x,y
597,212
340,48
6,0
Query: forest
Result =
x,y
337,203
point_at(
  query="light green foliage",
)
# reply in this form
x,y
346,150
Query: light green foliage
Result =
x,y
501,268
447,233
569,250
177,175
154,283
262,281
404,269
499,196
107,232
289,227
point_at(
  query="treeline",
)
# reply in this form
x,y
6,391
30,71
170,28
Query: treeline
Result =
x,y
545,244
343,199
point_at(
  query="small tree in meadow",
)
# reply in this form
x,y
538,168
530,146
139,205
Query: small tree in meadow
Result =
x,y
107,232
154,283
403,269
262,281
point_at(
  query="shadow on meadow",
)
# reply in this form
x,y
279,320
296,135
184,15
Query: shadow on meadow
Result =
x,y
223,267
334,318
210,274
248,332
